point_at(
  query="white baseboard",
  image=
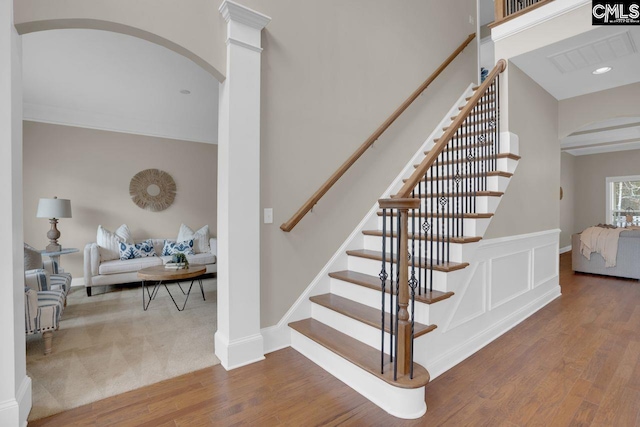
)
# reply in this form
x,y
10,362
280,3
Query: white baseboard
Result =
x,y
77,282
14,412
565,249
238,353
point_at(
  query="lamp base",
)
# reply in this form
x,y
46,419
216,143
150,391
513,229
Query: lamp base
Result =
x,y
52,247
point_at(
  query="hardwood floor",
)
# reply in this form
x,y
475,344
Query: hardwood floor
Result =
x,y
574,363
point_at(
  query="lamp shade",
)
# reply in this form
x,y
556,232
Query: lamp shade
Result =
x,y
54,208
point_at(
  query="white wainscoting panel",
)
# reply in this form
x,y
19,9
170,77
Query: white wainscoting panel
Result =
x,y
496,294
509,278
545,264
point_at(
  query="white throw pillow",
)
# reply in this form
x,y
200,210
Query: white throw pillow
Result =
x,y
200,238
109,243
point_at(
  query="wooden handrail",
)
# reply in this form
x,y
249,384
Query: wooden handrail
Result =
x,y
433,154
310,203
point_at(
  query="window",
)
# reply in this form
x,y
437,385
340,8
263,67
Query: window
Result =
x,y
623,200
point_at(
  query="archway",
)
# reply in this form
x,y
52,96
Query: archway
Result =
x,y
238,340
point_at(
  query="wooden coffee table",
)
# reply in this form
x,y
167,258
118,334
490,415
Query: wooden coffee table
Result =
x,y
160,275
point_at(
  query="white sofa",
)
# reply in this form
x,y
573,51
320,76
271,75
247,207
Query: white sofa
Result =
x,y
102,273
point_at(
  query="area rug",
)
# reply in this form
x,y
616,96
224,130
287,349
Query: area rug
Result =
x,y
107,345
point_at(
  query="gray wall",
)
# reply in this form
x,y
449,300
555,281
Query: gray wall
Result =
x,y
333,71
590,181
531,202
568,202
93,168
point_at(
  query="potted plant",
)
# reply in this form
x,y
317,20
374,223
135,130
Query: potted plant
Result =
x,y
178,261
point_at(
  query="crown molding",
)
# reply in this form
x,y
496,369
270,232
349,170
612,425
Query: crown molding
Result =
x,y
232,11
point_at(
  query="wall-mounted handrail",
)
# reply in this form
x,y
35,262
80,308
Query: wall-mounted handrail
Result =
x,y
310,203
442,142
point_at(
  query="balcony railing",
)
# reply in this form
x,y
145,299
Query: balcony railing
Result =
x,y
509,9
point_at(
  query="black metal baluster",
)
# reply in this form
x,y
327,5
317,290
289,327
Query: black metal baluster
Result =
x,y
383,279
397,308
391,287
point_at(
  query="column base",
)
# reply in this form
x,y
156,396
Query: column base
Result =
x,y
240,352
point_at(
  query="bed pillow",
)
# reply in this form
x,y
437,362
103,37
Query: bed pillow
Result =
x,y
109,242
137,250
184,247
200,238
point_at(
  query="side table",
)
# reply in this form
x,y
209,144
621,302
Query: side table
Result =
x,y
55,256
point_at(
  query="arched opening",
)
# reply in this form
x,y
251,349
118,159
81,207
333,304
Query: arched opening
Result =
x,y
100,106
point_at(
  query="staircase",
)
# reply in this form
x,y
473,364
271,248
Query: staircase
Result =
x,y
368,331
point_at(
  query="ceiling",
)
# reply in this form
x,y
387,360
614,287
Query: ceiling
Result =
x,y
564,69
110,81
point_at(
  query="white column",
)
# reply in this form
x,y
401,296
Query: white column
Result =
x,y
15,386
238,340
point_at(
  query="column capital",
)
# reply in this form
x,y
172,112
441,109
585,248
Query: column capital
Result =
x,y
232,11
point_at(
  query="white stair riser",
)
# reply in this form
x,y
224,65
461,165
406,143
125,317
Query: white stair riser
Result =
x,y
374,243
503,164
494,183
483,204
371,298
506,146
399,402
470,226
372,267
355,329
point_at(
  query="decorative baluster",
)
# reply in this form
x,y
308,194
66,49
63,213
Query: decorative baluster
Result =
x,y
383,279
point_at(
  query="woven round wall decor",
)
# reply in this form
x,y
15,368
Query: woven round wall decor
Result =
x,y
152,189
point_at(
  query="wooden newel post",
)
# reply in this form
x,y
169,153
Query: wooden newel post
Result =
x,y
403,336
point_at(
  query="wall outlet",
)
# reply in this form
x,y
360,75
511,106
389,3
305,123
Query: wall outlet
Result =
x,y
471,20
268,215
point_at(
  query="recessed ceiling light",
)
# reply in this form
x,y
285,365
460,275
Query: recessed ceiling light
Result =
x,y
185,92
602,70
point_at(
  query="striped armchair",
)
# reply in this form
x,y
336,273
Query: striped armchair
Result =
x,y
45,295
42,312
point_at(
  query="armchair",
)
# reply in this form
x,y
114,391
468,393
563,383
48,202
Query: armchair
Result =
x,y
42,309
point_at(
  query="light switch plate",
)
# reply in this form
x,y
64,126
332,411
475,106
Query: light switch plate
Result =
x,y
268,215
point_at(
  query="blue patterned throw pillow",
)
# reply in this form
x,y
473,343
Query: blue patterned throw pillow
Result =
x,y
171,248
137,250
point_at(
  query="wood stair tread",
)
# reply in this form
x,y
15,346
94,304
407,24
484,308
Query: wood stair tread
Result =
x,y
466,194
363,313
373,282
468,134
421,262
464,176
360,354
428,237
465,147
479,103
476,159
448,215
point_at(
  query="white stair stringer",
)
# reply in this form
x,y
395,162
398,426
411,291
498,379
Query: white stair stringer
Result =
x,y
400,402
